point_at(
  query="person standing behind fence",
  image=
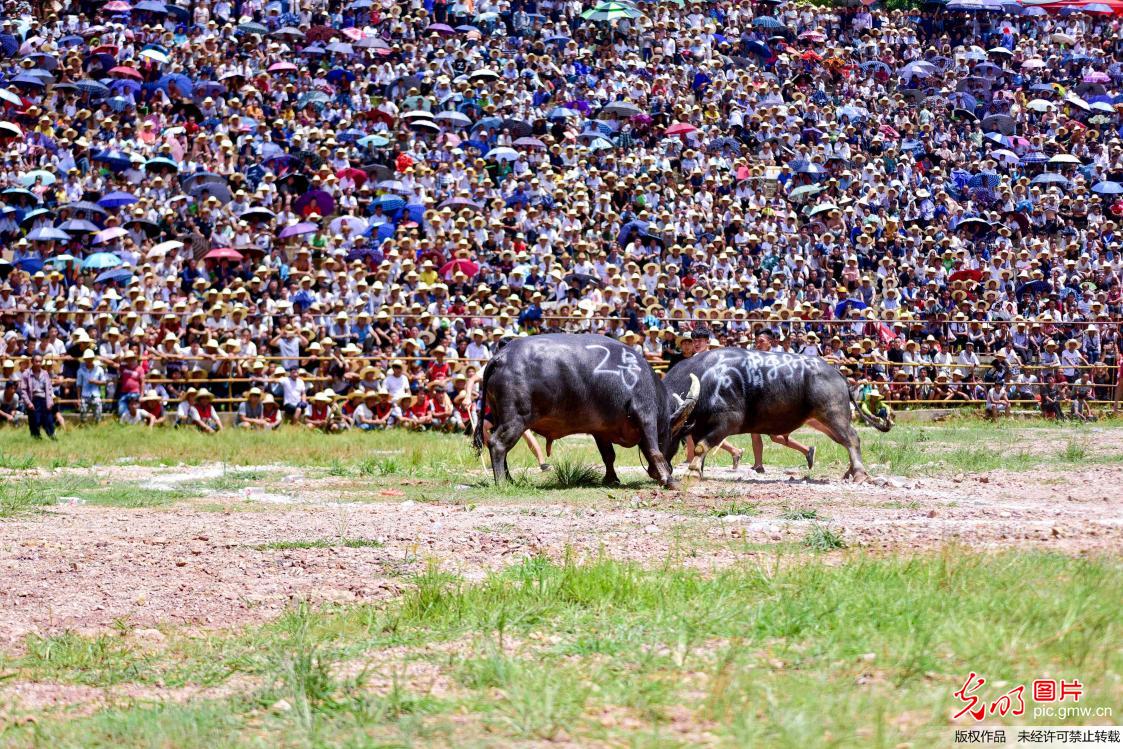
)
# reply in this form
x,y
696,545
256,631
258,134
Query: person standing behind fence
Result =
x,y
130,380
89,381
38,395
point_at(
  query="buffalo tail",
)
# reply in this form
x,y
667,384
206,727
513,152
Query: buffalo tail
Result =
x,y
478,431
881,425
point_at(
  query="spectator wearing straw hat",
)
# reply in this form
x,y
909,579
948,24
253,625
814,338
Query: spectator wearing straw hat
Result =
x,y
89,381
203,414
134,415
251,411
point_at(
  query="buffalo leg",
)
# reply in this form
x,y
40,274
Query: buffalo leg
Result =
x,y
503,438
608,455
714,437
658,468
846,435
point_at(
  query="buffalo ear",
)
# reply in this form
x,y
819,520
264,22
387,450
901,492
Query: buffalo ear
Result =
x,y
685,405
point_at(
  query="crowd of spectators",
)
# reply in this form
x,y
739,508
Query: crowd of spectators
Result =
x,y
333,213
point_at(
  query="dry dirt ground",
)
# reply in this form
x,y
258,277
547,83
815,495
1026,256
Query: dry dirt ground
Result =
x,y
203,562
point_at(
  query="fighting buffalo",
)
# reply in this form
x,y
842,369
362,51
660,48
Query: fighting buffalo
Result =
x,y
561,384
768,392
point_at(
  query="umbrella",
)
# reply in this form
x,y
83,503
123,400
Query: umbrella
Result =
x,y
356,224
117,200
680,128
483,74
217,190
116,160
502,154
115,274
78,226
28,179
340,48
318,200
967,274
560,113
108,235
467,267
1049,178
101,261
156,56
251,28
358,176
374,141
611,11
454,118
127,72
822,208
48,234
1033,287
388,203
8,96
581,280
165,247
989,180
84,206
30,264
283,67
160,162
622,109
805,191
767,22
529,143
223,253
299,229
1064,158
59,261
845,305
1107,188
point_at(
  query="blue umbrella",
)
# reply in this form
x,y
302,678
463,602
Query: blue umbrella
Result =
x,y
117,200
122,86
151,6
91,87
161,162
176,83
846,304
114,274
388,203
9,45
1107,188
101,261
767,22
26,80
1049,178
30,264
115,159
48,234
985,179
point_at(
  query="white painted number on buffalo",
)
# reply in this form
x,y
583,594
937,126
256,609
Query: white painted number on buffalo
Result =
x,y
627,370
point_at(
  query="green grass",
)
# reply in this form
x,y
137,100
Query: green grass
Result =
x,y
821,538
570,474
910,449
798,654
321,543
800,513
735,508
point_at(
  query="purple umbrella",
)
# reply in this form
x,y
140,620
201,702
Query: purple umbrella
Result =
x,y
441,28
317,200
297,229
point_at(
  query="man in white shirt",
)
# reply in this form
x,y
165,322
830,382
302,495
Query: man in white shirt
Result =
x,y
477,349
396,383
293,391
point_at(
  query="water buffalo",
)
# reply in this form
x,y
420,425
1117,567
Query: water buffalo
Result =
x,y
768,392
562,384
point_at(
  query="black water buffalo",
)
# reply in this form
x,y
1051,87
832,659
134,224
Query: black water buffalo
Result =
x,y
561,384
768,392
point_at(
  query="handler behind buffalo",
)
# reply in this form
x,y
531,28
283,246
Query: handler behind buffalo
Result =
x,y
768,392
562,384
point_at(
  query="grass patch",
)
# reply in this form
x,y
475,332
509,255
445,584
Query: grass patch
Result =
x,y
321,543
609,653
821,538
571,474
735,508
21,496
1074,452
800,513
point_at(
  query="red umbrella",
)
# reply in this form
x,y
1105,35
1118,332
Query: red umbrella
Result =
x,y
467,267
358,176
223,253
966,275
681,128
124,71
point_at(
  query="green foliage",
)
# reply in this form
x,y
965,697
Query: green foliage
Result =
x,y
821,538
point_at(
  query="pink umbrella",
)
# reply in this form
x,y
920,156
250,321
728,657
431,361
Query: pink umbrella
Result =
x,y
125,71
1097,77
223,253
117,6
108,235
352,33
467,267
681,128
282,67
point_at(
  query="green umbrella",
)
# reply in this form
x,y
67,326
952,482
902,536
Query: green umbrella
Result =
x,y
802,193
611,11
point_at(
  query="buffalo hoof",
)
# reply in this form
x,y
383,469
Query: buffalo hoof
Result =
x,y
612,481
857,477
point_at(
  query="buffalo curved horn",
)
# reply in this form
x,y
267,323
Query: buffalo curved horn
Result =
x,y
685,405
